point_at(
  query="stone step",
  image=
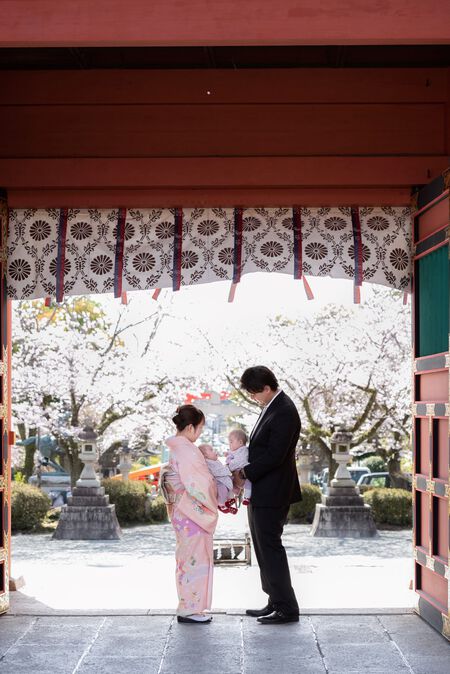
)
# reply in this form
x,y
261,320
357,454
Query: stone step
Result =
x,y
343,521
100,501
76,511
88,491
333,501
88,523
343,491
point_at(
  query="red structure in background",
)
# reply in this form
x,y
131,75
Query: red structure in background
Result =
x,y
191,397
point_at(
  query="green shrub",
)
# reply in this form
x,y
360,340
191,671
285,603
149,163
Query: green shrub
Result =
x,y
129,499
133,503
29,506
375,464
303,511
158,510
390,506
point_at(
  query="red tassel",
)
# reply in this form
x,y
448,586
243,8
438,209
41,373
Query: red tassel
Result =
x,y
48,301
405,297
308,291
156,293
357,294
232,292
124,297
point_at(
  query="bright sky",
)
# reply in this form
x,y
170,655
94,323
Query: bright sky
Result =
x,y
205,308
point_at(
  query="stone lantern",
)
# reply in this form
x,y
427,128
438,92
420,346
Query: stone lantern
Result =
x,y
343,512
88,514
125,463
340,443
88,454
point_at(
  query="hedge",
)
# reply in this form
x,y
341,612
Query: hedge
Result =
x,y
303,511
390,506
158,510
133,503
29,506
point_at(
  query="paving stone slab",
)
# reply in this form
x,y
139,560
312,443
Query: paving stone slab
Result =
x,y
273,652
422,644
411,624
36,660
70,621
12,630
352,658
138,622
431,664
120,665
352,632
182,668
128,645
297,666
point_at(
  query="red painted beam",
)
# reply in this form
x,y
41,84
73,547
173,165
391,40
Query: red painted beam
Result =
x,y
207,197
222,130
212,87
223,172
215,22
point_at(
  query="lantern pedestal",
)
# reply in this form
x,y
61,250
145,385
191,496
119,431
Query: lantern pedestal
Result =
x,y
343,513
88,515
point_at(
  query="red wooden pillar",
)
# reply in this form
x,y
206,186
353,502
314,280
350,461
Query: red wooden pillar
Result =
x,y
5,373
431,392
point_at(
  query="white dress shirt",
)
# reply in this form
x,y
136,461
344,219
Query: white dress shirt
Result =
x,y
263,411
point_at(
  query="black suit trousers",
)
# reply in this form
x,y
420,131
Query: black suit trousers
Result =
x,y
266,528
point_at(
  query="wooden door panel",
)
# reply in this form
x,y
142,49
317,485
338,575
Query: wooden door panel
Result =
x,y
431,402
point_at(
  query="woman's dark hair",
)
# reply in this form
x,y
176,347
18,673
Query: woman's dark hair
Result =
x,y
186,415
255,378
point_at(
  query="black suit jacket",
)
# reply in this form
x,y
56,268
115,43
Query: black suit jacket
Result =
x,y
272,469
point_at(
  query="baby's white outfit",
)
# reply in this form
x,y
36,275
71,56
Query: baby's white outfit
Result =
x,y
237,459
223,478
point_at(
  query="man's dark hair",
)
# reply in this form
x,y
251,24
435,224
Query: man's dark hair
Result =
x,y
255,378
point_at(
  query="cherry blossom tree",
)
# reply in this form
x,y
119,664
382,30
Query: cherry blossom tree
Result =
x,y
343,366
70,367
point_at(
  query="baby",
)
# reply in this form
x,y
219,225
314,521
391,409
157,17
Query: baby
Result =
x,y
222,477
237,458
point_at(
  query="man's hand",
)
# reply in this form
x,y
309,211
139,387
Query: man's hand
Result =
x,y
238,481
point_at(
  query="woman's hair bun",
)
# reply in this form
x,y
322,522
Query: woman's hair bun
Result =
x,y
185,415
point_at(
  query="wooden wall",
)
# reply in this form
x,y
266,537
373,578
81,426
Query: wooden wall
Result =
x,y
215,22
249,137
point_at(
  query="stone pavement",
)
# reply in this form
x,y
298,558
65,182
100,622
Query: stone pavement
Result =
x,y
231,644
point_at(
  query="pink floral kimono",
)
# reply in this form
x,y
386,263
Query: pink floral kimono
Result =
x,y
193,513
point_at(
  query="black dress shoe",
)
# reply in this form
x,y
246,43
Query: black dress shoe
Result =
x,y
278,618
186,619
260,612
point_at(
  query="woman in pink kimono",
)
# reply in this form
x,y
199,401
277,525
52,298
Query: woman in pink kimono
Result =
x,y
191,494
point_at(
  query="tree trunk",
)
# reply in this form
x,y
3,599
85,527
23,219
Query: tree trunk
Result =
x,y
76,466
29,451
398,479
332,467
29,461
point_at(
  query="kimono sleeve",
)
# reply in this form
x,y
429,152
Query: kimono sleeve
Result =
x,y
199,501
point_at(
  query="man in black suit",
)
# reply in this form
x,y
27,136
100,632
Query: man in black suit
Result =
x,y
273,474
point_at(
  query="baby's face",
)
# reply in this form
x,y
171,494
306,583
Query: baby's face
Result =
x,y
234,443
209,453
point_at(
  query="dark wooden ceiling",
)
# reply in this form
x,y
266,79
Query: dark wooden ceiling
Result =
x,y
226,57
